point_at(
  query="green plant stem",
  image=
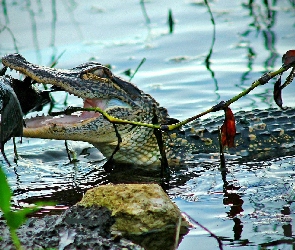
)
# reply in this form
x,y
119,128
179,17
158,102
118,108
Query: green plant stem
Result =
x,y
15,239
117,120
261,81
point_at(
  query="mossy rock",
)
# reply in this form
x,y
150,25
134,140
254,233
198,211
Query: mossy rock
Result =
x,y
137,208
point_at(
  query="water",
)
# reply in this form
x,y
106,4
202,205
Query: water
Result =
x,y
246,207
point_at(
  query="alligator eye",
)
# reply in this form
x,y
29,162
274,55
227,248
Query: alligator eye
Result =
x,y
99,72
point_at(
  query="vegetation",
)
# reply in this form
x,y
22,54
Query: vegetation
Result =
x,y
14,219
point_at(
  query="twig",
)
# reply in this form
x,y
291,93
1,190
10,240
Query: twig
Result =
x,y
261,81
206,229
108,166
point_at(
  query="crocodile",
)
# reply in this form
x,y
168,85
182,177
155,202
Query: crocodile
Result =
x,y
260,133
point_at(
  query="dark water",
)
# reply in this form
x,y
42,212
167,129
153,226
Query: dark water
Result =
x,y
252,205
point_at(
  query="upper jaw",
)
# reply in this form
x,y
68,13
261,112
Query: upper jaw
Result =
x,y
89,80
84,81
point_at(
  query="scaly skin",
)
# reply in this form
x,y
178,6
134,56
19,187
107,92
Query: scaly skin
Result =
x,y
269,133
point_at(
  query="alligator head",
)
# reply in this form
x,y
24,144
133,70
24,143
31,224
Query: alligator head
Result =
x,y
98,87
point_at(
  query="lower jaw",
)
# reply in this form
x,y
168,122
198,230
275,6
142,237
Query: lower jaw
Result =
x,y
43,121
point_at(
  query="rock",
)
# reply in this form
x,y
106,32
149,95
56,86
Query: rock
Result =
x,y
140,209
123,216
76,228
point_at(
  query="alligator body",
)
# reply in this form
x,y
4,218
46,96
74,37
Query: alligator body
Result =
x,y
259,133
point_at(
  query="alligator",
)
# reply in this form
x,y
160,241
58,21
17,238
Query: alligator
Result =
x,y
260,133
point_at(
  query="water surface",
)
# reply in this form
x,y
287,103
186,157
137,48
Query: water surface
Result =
x,y
252,205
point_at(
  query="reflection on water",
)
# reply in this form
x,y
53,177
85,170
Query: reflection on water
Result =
x,y
207,58
263,19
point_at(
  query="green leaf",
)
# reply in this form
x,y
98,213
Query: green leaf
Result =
x,y
16,218
5,193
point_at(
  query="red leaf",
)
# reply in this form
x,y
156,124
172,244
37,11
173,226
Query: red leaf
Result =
x,y
289,57
228,129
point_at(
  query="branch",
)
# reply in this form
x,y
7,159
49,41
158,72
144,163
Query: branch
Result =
x,y
220,245
221,106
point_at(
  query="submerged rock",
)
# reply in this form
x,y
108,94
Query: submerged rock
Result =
x,y
143,213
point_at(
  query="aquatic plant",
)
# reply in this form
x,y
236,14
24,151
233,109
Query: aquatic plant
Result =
x,y
14,219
